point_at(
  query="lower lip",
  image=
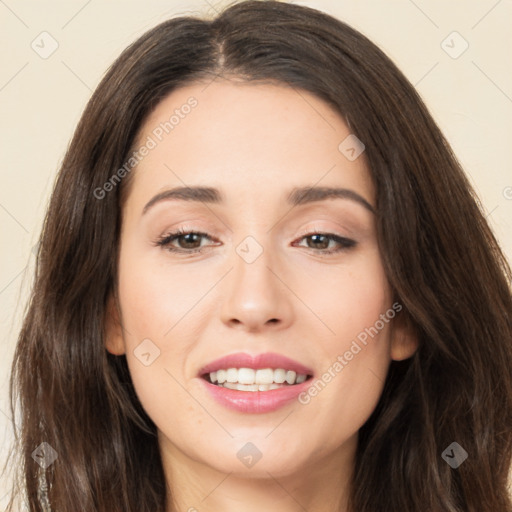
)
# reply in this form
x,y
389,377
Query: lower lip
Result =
x,y
255,401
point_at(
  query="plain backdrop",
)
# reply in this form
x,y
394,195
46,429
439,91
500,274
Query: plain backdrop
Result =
x,y
455,53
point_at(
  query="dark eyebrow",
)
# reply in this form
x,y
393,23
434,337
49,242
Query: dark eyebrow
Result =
x,y
297,196
200,194
304,195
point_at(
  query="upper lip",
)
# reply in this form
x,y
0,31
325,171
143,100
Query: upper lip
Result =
x,y
265,360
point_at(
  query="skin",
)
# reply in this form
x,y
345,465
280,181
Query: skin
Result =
x,y
254,142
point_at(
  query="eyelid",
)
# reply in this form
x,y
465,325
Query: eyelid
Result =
x,y
316,229
346,243
177,232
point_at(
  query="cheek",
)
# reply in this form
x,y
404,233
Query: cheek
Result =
x,y
351,299
358,308
364,326
158,340
163,308
158,298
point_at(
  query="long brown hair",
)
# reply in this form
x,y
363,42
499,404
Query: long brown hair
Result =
x,y
441,259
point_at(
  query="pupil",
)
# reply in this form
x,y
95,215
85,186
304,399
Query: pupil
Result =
x,y
324,244
188,240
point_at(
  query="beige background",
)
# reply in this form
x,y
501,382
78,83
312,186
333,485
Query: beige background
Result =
x,y
41,101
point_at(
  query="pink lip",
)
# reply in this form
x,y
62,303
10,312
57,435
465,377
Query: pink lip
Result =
x,y
255,401
266,360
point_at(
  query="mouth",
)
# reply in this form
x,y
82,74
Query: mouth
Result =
x,y
251,379
255,384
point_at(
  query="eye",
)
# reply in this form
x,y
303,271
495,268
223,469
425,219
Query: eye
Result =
x,y
187,241
320,242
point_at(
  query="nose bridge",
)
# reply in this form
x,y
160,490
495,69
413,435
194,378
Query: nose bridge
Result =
x,y
255,297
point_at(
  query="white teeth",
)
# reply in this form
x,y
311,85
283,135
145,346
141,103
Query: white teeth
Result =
x,y
232,375
301,378
279,375
290,377
241,387
265,376
255,380
246,376
250,387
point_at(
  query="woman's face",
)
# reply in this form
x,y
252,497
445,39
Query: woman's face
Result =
x,y
286,275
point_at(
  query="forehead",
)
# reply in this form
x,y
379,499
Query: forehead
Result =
x,y
248,139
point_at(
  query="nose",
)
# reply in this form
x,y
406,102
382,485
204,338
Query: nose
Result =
x,y
258,297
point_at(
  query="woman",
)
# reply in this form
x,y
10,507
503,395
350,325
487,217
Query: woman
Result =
x,y
264,281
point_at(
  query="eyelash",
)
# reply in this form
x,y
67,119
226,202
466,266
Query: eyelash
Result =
x,y
166,240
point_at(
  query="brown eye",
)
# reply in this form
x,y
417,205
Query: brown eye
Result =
x,y
183,241
189,240
318,241
321,241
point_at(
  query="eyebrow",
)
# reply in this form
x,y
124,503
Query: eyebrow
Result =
x,y
298,196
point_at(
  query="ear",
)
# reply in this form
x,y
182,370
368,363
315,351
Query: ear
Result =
x,y
114,341
404,338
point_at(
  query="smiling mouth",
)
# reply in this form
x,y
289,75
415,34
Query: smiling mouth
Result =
x,y
249,379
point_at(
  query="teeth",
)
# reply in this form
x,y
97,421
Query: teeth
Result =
x,y
232,375
254,380
279,375
246,376
265,376
250,387
301,378
290,377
